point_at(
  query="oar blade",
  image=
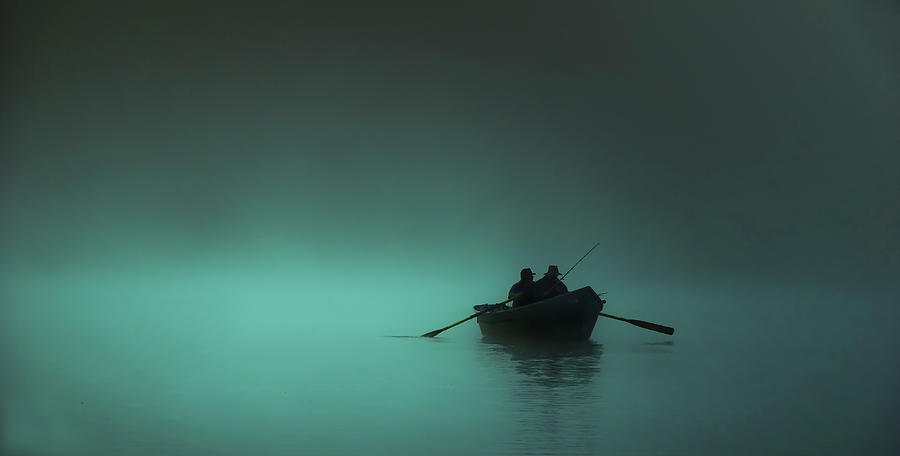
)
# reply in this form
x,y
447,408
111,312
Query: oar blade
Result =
x,y
438,331
652,326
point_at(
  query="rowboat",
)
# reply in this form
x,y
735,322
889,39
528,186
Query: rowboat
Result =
x,y
567,317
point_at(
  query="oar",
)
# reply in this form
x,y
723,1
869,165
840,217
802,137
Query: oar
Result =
x,y
438,331
643,324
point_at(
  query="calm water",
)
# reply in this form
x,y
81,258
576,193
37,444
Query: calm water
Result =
x,y
137,384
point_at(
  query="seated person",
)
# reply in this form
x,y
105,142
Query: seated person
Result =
x,y
522,290
549,285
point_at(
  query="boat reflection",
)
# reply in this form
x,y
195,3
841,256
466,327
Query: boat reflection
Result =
x,y
550,398
550,365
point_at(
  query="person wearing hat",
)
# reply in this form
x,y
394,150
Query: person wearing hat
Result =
x,y
522,290
549,285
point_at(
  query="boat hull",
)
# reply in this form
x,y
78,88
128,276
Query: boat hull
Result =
x,y
567,317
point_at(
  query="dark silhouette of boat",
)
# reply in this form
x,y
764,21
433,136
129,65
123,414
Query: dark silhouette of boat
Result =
x,y
567,317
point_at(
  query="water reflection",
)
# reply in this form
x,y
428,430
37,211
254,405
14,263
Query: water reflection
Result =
x,y
551,365
552,401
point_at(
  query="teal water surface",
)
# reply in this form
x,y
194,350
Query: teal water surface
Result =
x,y
172,380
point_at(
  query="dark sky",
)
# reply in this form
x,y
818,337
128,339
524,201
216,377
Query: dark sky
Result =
x,y
695,139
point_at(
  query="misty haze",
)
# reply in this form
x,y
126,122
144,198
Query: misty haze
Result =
x,y
224,230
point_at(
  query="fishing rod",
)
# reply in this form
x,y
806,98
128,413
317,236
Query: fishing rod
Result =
x,y
579,261
640,323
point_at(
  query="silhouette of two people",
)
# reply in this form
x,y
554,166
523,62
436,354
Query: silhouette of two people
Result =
x,y
527,291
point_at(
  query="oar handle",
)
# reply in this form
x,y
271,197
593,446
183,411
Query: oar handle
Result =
x,y
438,331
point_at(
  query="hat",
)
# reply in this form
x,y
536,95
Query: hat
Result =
x,y
553,270
526,271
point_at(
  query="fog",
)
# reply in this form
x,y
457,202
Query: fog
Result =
x,y
184,186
